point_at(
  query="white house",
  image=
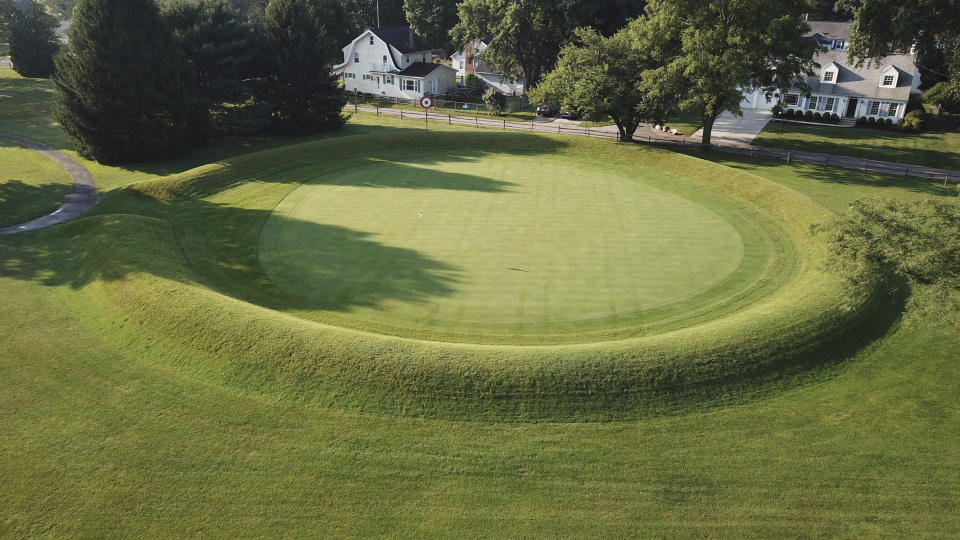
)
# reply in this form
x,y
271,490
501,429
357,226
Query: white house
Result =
x,y
877,91
468,62
393,62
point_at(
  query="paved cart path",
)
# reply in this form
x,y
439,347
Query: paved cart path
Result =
x,y
83,197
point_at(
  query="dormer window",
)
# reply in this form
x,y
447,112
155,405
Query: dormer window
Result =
x,y
839,44
830,74
888,77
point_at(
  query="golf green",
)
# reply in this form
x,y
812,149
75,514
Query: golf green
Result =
x,y
507,243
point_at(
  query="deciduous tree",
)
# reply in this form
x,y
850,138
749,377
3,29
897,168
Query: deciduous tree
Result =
x,y
33,41
603,76
715,50
526,34
433,20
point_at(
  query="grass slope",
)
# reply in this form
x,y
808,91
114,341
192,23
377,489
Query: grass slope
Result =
x,y
98,438
31,184
930,149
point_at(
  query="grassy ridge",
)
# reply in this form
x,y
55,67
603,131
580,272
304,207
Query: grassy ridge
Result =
x,y
246,346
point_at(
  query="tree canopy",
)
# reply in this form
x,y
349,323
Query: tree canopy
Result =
x,y
33,41
711,52
602,76
432,20
124,98
526,34
304,96
918,241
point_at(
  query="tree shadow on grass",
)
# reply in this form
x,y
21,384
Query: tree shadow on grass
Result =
x,y
827,175
20,202
352,270
183,236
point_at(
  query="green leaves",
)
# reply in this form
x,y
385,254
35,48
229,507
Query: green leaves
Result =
x,y
918,240
33,41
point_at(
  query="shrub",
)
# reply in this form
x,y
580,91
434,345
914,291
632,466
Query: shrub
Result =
x,y
777,109
790,113
871,121
817,116
808,115
835,118
862,120
888,123
913,121
495,100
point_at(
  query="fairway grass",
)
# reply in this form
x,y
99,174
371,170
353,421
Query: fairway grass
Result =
x,y
155,382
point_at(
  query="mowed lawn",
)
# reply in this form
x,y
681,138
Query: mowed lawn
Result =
x,y
97,439
505,241
31,184
930,148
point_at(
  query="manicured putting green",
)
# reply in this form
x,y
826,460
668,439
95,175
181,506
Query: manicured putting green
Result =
x,y
504,241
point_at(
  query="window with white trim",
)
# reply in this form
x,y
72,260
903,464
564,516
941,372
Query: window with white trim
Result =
x,y
814,101
388,79
831,102
411,85
356,58
839,44
367,77
350,75
874,108
371,40
888,80
828,76
893,109
791,99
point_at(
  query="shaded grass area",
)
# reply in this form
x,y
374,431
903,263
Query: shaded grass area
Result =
x,y
931,149
30,184
833,187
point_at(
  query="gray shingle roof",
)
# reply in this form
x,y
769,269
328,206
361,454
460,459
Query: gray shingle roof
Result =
x,y
864,81
399,38
828,30
420,69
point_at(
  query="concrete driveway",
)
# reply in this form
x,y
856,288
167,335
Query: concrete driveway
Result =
x,y
733,130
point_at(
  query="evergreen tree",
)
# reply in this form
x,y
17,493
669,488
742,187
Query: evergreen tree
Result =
x,y
304,96
33,41
226,57
121,92
7,12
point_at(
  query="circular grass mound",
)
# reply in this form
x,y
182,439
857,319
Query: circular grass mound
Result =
x,y
507,245
211,308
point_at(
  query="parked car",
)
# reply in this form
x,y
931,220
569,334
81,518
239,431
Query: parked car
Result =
x,y
548,109
570,115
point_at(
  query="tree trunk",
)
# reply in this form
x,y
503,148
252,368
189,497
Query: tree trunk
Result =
x,y
707,129
624,134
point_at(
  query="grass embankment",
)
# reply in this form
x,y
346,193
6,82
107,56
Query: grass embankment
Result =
x,y
31,184
172,299
97,438
930,149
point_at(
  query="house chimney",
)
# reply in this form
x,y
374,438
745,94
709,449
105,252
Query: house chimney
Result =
x,y
411,37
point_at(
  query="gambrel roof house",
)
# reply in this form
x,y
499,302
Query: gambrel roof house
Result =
x,y
393,62
838,87
467,62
